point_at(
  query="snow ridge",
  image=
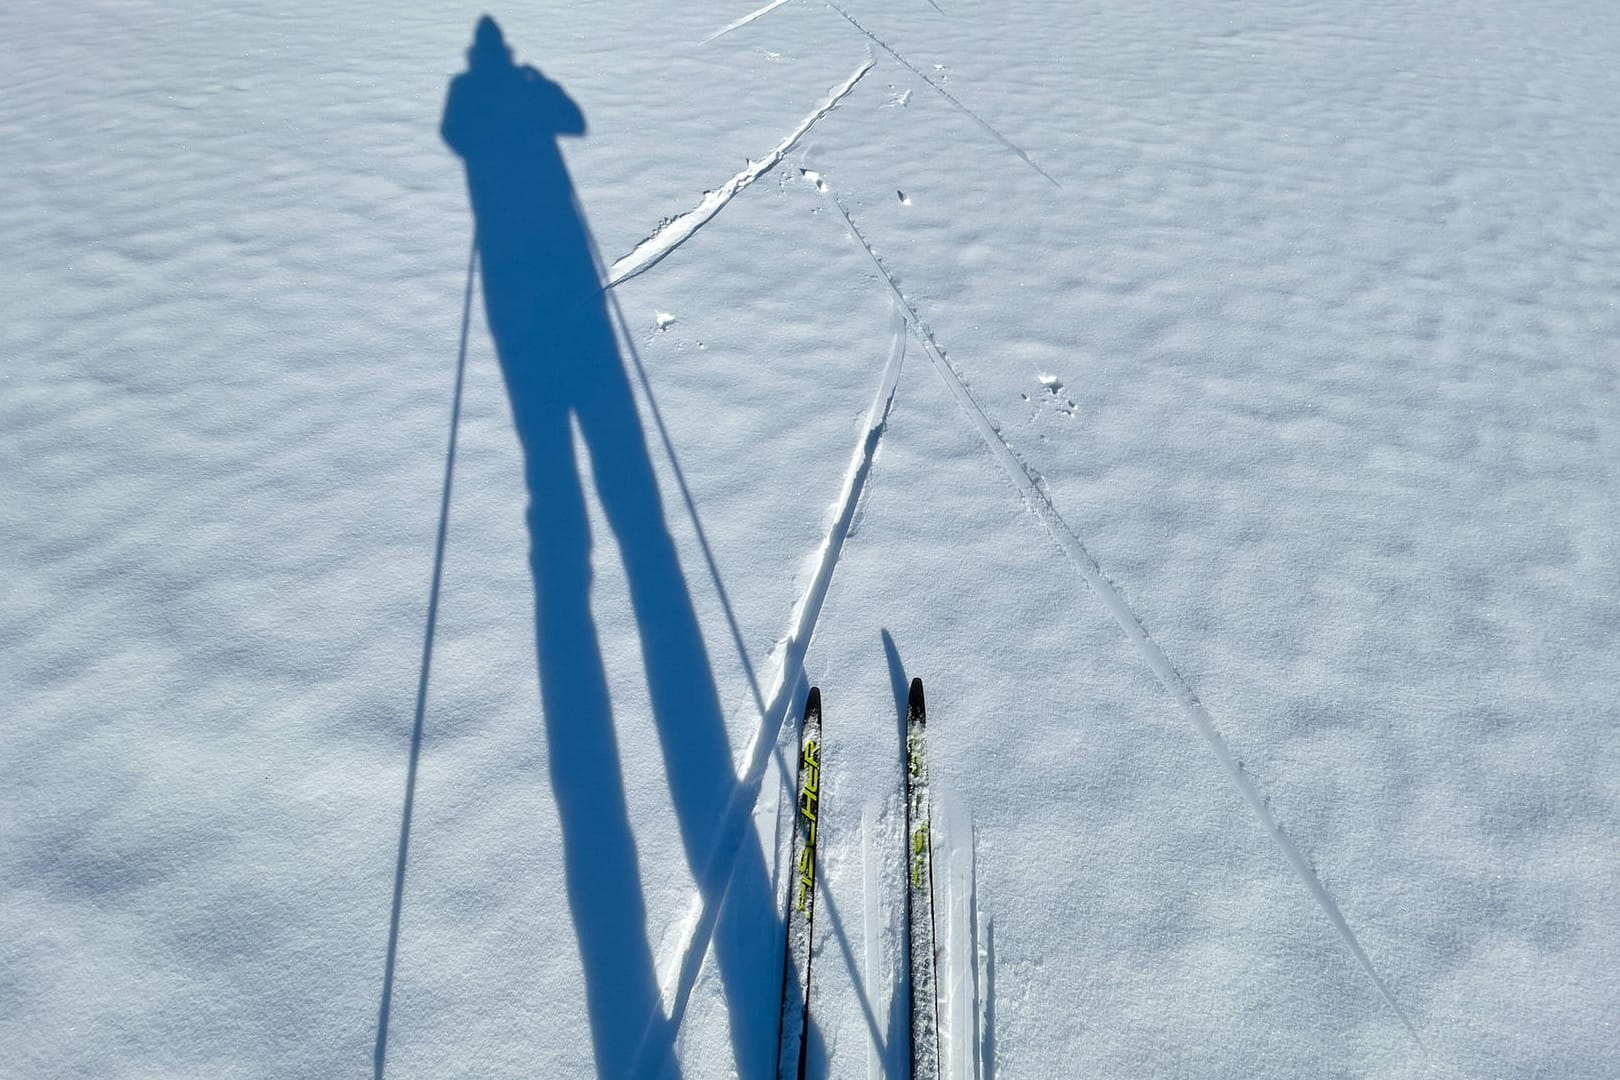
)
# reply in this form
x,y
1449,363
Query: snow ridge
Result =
x,y
675,232
1168,676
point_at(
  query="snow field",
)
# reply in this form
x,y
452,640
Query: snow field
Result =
x,y
1309,345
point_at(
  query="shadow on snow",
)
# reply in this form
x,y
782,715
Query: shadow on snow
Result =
x,y
563,371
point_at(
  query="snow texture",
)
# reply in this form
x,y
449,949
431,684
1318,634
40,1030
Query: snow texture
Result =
x,y
1215,404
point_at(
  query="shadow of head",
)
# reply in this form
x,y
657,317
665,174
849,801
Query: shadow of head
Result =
x,y
489,48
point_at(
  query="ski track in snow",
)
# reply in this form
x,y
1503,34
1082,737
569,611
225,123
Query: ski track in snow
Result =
x,y
955,102
675,232
1171,679
679,981
687,958
866,998
944,93
955,944
744,21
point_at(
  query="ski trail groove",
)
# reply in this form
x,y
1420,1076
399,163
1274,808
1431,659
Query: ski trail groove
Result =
x,y
841,935
957,947
677,983
675,232
944,93
1044,509
737,24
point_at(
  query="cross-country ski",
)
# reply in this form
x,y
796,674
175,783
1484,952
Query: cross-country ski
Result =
x,y
801,897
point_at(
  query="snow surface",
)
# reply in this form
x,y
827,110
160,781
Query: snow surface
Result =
x,y
1247,501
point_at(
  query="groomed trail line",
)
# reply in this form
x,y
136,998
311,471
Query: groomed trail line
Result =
x,y
676,231
1082,561
687,957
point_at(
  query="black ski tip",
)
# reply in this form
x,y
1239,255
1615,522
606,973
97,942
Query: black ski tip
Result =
x,y
914,700
812,704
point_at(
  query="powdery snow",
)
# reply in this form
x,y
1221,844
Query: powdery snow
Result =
x,y
1246,500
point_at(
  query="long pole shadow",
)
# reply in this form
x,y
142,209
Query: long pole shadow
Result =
x,y
379,1053
567,384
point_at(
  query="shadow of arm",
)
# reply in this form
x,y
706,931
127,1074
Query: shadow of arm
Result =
x,y
563,116
453,126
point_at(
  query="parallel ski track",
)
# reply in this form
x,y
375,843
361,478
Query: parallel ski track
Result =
x,y
1083,562
678,981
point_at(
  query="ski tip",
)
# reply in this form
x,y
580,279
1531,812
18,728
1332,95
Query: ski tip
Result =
x,y
812,704
914,700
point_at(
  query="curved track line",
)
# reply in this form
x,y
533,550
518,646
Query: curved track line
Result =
x,y
1168,676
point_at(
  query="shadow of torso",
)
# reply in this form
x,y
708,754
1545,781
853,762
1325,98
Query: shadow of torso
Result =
x,y
541,287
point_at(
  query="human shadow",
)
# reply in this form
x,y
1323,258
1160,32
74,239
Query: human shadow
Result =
x,y
563,371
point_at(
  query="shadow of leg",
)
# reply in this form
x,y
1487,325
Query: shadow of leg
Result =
x,y
603,879
686,706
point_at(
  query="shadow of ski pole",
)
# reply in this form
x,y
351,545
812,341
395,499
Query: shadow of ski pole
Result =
x,y
380,1052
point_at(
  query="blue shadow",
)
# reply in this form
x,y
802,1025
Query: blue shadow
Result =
x,y
562,368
